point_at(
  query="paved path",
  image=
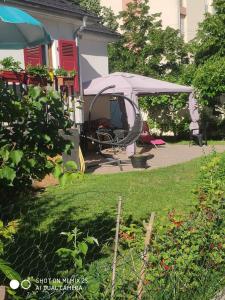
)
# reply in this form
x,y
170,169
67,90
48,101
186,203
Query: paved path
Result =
x,y
161,157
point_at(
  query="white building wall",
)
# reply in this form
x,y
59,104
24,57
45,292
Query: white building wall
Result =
x,y
209,5
115,5
195,14
16,54
170,12
94,57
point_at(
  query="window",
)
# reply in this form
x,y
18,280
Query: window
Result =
x,y
182,25
67,55
68,58
206,7
35,56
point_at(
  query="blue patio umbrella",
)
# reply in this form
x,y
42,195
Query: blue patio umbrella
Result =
x,y
19,30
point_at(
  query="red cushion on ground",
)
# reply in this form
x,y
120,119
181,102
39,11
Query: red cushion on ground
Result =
x,y
151,140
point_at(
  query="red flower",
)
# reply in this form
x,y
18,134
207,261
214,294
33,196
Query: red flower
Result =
x,y
167,268
211,246
178,223
171,215
220,246
126,236
146,282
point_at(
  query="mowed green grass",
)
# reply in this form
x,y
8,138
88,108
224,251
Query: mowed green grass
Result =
x,y
210,142
143,192
90,204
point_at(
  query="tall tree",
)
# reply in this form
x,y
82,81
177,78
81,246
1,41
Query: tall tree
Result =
x,y
93,6
210,40
107,16
144,47
209,55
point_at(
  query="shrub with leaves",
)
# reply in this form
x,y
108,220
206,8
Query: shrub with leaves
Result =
x,y
60,72
6,235
189,254
38,71
75,255
210,80
10,64
29,131
73,277
208,65
168,113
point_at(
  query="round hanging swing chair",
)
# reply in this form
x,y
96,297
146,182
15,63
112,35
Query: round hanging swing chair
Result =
x,y
133,132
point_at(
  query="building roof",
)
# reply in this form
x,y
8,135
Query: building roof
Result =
x,y
65,8
99,28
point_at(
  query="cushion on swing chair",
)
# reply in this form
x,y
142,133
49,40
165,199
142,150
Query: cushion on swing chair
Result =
x,y
147,138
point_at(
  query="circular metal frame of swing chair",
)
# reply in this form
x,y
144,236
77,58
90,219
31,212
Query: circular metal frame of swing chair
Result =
x,y
132,135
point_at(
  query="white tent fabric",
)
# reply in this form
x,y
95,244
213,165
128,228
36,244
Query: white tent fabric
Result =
x,y
194,113
132,86
193,108
132,83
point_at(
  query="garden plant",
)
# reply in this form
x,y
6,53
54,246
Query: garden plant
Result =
x,y
29,137
186,253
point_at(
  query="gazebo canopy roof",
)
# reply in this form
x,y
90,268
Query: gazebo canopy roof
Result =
x,y
132,83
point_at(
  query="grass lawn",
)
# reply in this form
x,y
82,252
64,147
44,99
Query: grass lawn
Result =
x,y
142,192
90,204
210,143
186,142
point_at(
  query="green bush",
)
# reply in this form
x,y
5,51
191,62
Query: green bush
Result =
x,y
186,256
10,64
29,131
6,235
38,71
168,113
64,73
210,80
60,72
73,266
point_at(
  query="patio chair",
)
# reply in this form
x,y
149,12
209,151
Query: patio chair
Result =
x,y
147,138
105,136
199,137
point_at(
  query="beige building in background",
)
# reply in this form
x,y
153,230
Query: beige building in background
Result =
x,y
184,15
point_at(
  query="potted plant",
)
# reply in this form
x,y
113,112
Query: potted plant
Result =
x,y
38,75
11,71
60,74
64,78
139,161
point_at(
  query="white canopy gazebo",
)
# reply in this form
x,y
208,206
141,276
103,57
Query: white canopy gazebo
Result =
x,y
132,86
